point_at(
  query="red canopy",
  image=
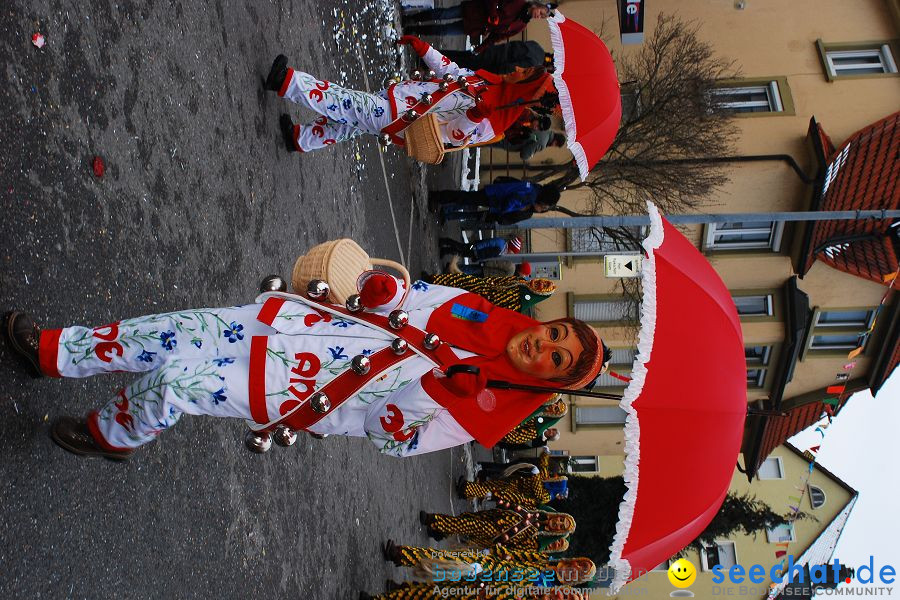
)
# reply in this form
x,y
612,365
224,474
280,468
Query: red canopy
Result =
x,y
588,86
686,405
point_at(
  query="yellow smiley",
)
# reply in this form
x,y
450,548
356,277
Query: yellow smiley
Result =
x,y
682,573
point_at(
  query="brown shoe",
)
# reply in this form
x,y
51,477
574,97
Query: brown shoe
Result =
x,y
74,436
390,552
24,338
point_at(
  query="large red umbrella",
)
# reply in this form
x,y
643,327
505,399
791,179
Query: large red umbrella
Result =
x,y
686,405
585,77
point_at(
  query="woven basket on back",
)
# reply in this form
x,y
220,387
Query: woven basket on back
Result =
x,y
423,140
339,263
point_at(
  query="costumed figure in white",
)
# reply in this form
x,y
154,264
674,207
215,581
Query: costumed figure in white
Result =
x,y
368,369
471,107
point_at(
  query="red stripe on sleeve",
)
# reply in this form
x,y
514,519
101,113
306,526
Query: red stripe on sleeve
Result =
x,y
286,82
257,378
269,310
48,352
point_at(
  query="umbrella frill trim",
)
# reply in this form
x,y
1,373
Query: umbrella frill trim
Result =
x,y
565,98
653,241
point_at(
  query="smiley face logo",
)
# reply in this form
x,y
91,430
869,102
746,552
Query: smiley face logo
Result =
x,y
682,573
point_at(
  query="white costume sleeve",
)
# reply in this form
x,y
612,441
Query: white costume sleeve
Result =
x,y
442,65
411,423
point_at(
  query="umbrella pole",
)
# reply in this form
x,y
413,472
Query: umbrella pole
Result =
x,y
505,385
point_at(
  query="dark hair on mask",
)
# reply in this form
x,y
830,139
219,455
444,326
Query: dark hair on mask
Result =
x,y
590,342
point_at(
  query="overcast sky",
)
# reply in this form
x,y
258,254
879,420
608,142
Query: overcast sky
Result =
x,y
862,447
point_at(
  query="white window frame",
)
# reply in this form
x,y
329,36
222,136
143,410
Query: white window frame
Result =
x,y
764,359
585,460
704,563
780,463
833,345
882,52
627,309
864,325
767,298
810,487
772,103
610,410
775,231
760,379
771,532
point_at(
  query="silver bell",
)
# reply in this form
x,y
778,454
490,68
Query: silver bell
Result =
x,y
284,436
398,319
399,346
461,80
426,98
360,364
273,283
432,341
444,86
417,75
385,140
431,74
449,78
353,303
258,442
320,403
410,115
317,289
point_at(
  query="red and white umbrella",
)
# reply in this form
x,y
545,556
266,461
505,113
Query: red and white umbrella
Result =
x,y
588,86
686,405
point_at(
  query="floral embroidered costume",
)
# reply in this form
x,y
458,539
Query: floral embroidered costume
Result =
x,y
462,119
262,362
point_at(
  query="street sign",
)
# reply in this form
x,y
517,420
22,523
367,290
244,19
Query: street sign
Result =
x,y
622,265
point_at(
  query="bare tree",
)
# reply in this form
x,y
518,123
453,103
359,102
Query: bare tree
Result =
x,y
673,133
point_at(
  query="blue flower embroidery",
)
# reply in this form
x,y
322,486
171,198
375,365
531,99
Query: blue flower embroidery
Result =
x,y
366,352
218,397
197,342
172,413
342,121
332,107
146,356
342,323
233,333
221,362
347,103
168,341
337,352
420,285
378,111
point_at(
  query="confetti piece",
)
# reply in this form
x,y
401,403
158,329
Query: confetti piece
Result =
x,y
98,166
38,40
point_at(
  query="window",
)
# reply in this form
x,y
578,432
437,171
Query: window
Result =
x,y
781,533
597,239
843,60
845,318
757,359
599,415
764,98
607,380
771,468
583,464
744,235
663,566
836,341
611,310
623,356
723,553
753,305
816,496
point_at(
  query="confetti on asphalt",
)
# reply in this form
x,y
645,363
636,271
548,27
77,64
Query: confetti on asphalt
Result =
x,y
38,40
98,166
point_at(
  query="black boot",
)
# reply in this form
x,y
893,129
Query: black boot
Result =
x,y
74,436
24,337
277,74
425,518
434,534
287,132
390,552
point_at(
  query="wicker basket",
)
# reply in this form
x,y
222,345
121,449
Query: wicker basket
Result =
x,y
340,263
423,140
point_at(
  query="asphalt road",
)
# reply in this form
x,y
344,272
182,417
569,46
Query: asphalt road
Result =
x,y
198,202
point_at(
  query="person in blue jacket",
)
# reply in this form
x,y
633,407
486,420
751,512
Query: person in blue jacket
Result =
x,y
506,201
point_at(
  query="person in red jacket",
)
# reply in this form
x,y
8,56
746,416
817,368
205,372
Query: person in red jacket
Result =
x,y
491,20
